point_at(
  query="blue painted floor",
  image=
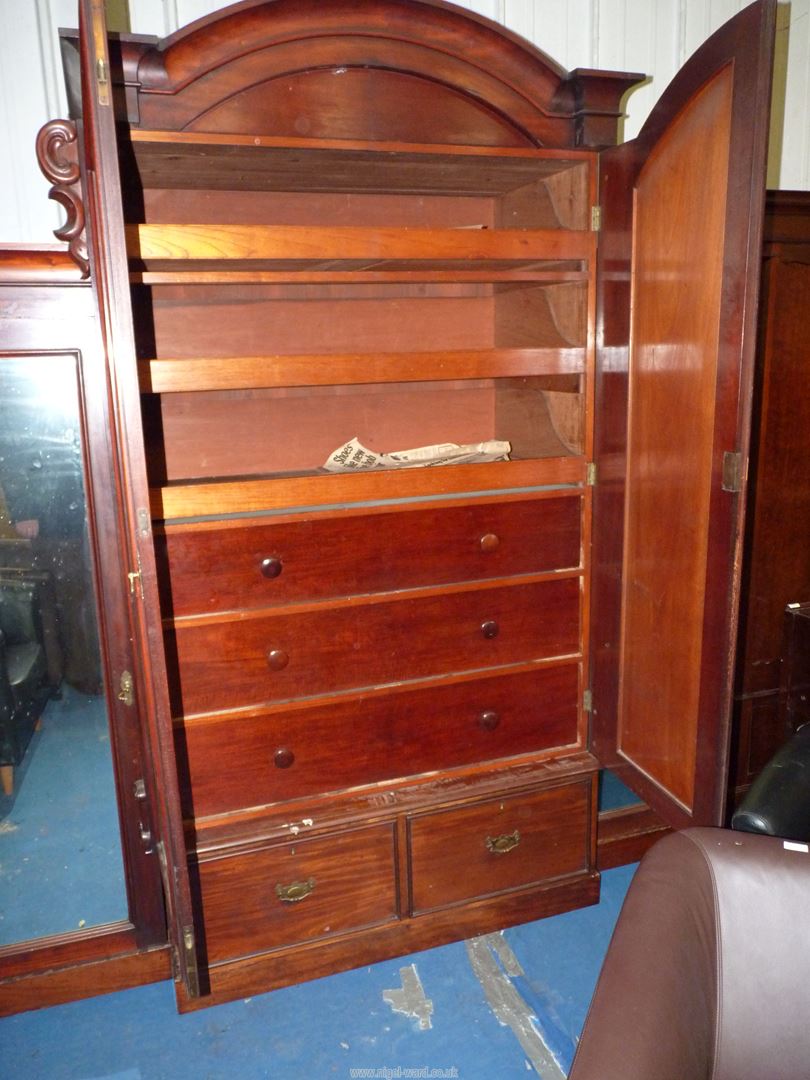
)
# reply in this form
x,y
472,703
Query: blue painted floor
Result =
x,y
340,1026
60,848
60,867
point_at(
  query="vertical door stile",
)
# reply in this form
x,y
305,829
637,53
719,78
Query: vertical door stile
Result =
x,y
109,267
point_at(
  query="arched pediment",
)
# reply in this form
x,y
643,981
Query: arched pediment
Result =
x,y
394,70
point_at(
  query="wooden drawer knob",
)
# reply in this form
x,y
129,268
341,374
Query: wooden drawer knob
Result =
x,y
500,845
271,567
489,720
295,891
283,758
489,542
277,659
490,629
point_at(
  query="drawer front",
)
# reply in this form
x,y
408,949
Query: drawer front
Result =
x,y
499,845
278,656
227,567
289,752
302,891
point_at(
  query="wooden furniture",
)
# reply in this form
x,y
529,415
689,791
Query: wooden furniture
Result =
x,y
777,565
795,678
48,317
378,702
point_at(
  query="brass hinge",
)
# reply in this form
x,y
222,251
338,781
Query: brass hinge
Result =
x,y
144,522
596,218
733,471
587,701
190,953
188,943
98,28
126,692
590,474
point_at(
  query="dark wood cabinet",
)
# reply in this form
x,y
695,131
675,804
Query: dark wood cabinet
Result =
x,y
377,701
795,679
777,559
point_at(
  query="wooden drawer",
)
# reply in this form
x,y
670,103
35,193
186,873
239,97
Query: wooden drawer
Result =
x,y
333,885
498,845
289,752
222,567
275,656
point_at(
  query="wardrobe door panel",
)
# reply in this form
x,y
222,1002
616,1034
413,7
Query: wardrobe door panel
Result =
x,y
697,173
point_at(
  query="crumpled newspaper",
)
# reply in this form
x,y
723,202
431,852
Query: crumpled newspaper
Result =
x,y
352,456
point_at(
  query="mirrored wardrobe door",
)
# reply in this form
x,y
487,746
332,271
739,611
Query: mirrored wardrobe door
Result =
x,y
79,875
62,866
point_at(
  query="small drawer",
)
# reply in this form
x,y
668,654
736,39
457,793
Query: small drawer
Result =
x,y
499,845
291,752
299,891
262,657
209,568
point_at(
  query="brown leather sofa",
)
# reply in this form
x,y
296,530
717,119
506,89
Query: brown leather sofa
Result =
x,y
707,976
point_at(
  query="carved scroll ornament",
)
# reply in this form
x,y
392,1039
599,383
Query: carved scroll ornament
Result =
x,y
57,154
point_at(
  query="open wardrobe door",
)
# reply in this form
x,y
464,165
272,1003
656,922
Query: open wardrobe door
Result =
x,y
146,689
682,209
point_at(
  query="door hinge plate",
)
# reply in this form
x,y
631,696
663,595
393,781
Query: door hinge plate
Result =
x,y
191,970
144,522
733,471
102,71
184,952
587,701
590,474
596,218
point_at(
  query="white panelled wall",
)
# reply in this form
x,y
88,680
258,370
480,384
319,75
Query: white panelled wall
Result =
x,y
651,36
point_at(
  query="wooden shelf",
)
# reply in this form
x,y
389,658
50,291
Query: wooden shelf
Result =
x,y
192,160
297,276
177,374
279,247
184,500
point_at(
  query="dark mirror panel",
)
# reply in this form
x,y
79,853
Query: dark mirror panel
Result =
x,y
61,866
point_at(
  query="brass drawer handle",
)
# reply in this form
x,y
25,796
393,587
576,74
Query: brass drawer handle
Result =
x,y
489,542
501,844
295,891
